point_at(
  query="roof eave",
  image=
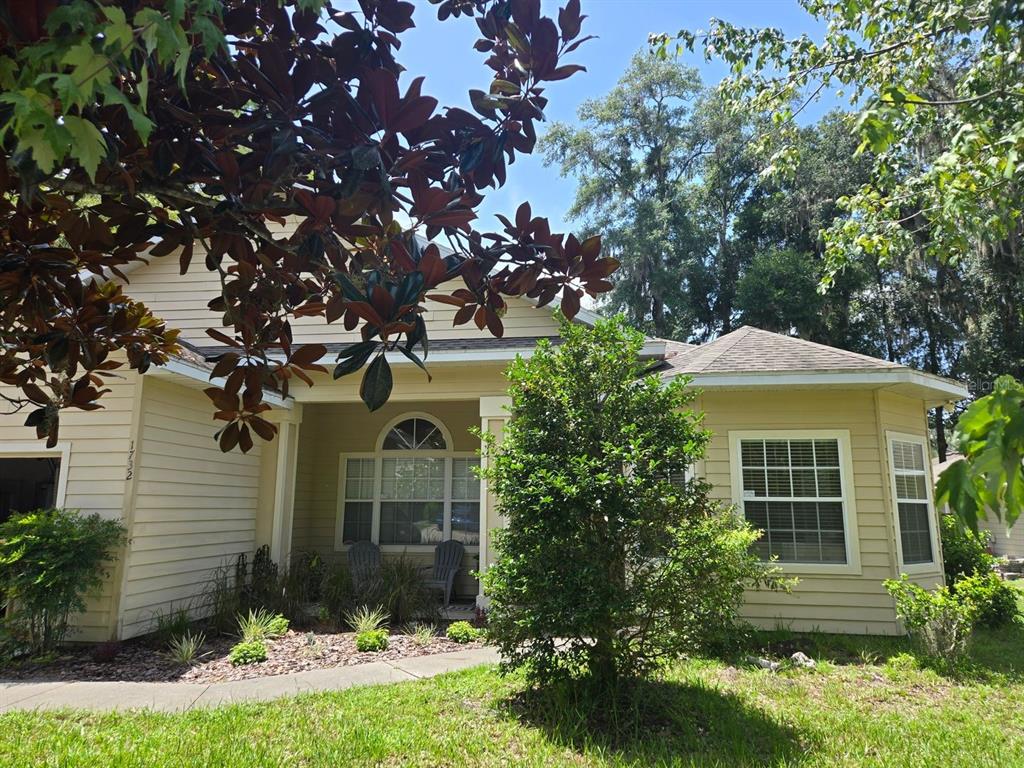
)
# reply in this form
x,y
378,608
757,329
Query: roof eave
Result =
x,y
927,386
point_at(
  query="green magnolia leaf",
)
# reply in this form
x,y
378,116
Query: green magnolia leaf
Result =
x,y
87,143
377,383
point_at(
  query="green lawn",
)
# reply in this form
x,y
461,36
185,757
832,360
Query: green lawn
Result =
x,y
870,707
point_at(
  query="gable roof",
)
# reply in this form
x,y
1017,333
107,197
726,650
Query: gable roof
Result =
x,y
749,357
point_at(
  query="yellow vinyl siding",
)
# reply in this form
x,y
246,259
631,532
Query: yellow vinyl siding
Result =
x,y
100,444
331,429
194,507
833,602
182,301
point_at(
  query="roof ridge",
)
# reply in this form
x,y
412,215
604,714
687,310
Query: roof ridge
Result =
x,y
827,348
734,336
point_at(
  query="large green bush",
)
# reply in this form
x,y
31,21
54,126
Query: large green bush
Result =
x,y
964,552
939,621
995,599
612,560
50,561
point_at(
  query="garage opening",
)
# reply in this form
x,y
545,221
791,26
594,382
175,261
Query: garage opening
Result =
x,y
27,484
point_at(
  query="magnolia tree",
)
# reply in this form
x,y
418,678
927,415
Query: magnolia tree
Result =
x,y
614,559
145,129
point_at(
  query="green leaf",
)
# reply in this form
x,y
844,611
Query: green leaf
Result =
x,y
87,143
89,69
377,383
354,357
142,124
44,154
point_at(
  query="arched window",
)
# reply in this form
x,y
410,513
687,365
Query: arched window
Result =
x,y
414,490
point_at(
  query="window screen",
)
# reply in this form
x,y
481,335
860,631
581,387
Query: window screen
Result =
x,y
793,491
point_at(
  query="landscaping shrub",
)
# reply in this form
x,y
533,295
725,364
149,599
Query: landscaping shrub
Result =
x,y
247,652
372,641
422,634
463,632
185,649
366,619
995,600
259,625
169,624
337,593
402,591
50,560
940,621
613,560
964,552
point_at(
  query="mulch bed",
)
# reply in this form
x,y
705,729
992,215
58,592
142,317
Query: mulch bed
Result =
x,y
297,651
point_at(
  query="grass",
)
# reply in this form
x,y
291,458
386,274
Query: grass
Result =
x,y
866,704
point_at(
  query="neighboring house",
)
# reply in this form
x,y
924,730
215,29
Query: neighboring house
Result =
x,y
825,449
1003,542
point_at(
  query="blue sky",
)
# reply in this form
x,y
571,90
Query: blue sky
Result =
x,y
443,52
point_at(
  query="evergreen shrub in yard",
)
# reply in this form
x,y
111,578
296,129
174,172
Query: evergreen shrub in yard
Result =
x,y
614,559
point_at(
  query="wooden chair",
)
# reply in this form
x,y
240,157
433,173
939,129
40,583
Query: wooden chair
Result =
x,y
447,560
363,564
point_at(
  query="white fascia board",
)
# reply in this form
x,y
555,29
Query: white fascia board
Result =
x,y
942,388
179,367
653,348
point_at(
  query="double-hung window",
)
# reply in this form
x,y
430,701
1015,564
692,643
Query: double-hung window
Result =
x,y
414,490
911,489
793,487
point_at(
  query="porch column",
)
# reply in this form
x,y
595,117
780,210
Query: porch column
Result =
x,y
288,423
493,416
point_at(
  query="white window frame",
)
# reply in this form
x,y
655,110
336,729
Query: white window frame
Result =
x,y
933,523
378,457
851,533
30,450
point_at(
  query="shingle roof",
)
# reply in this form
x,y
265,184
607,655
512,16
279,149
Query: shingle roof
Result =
x,y
751,350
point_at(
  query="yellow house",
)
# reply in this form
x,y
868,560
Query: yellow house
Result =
x,y
826,450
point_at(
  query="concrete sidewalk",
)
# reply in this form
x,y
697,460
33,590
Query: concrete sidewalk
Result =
x,y
179,697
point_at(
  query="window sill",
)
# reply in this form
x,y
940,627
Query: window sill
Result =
x,y
819,569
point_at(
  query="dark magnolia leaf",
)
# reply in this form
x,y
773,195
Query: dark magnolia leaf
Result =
x,y
244,439
416,359
263,428
377,383
354,357
352,293
228,437
307,355
570,302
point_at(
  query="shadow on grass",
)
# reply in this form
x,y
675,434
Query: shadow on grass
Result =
x,y
658,722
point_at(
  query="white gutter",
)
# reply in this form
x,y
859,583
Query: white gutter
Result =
x,y
949,389
178,367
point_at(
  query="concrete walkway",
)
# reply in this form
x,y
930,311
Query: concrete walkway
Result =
x,y
180,697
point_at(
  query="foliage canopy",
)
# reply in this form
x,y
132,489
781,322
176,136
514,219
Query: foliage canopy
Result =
x,y
146,130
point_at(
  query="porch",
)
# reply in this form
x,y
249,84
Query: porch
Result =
x,y
402,477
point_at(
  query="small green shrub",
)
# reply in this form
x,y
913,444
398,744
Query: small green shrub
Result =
x,y
50,560
964,552
250,652
372,641
185,649
277,626
996,600
463,632
940,621
258,625
366,619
